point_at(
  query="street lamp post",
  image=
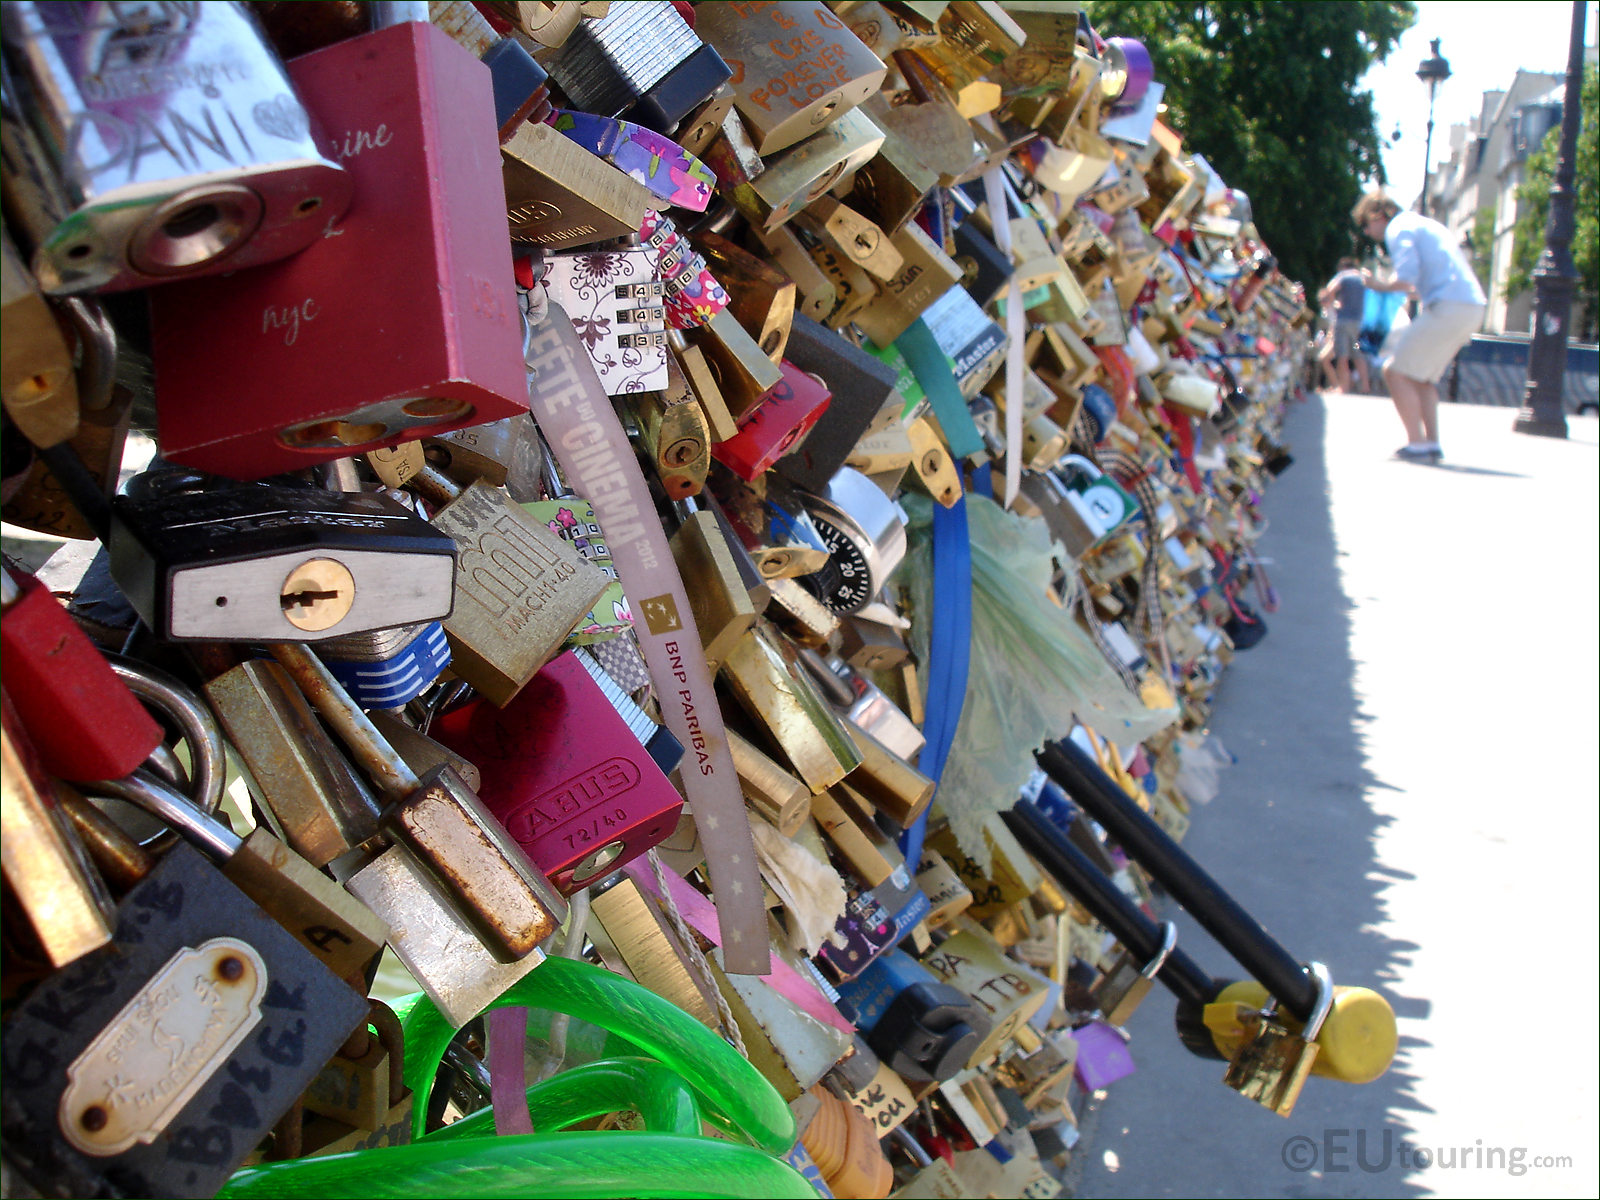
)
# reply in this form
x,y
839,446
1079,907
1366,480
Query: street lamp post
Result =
x,y
1433,71
1543,411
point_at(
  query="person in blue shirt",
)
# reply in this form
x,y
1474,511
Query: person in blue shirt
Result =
x,y
1430,267
1347,294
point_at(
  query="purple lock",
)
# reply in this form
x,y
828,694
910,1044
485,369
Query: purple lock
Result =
x,y
1103,1055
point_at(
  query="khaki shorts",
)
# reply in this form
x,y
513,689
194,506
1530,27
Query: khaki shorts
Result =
x,y
1424,348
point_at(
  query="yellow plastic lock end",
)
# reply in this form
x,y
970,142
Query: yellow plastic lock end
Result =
x,y
1357,1042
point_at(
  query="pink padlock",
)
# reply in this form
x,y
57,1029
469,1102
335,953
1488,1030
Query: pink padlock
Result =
x,y
1103,1055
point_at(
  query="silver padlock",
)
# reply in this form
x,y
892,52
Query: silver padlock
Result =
x,y
1124,987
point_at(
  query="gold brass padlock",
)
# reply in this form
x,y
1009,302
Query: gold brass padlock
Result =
x,y
1274,1061
1123,988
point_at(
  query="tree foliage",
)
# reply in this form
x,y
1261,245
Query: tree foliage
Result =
x,y
1533,205
1266,91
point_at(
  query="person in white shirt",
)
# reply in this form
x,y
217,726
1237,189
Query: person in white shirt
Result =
x,y
1429,266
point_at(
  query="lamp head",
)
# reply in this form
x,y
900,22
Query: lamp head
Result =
x,y
1434,69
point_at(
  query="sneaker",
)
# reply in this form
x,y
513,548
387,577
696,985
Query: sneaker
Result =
x,y
1421,454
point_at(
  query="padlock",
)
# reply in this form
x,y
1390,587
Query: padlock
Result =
x,y
325,1135
301,783
816,294
894,184
1124,987
742,371
852,288
1008,992
869,853
865,533
762,296
511,906
968,337
719,599
38,383
771,523
689,376
505,453
278,563
771,792
887,781
693,294
317,913
675,176
446,364
519,590
926,274
614,301
798,67
160,144
47,869
81,718
974,37
521,85
578,806
932,128
633,938
559,195
948,897
804,619
863,388
851,236
675,435
154,1065
776,425
789,179
387,668
924,1030
572,519
641,60
782,699
1274,1061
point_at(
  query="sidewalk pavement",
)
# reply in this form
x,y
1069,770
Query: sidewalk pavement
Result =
x,y
1413,804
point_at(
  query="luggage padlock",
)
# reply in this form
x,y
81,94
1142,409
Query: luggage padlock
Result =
x,y
166,141
519,590
154,1065
319,914
1274,1062
1124,987
437,816
271,563
338,365
615,302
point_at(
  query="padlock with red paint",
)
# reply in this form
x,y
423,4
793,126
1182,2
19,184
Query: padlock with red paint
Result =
x,y
776,425
83,720
400,321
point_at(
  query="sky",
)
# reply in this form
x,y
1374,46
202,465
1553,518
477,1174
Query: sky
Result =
x,y
1484,45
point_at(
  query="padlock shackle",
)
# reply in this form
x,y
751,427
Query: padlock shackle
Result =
x,y
1224,918
166,803
1107,904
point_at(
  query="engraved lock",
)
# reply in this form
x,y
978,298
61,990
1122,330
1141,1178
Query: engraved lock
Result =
x,y
161,1060
762,296
155,143
558,194
641,60
519,590
271,562
719,600
1274,1062
975,36
38,383
337,365
862,387
578,806
1008,992
295,773
343,935
46,867
614,301
1124,987
776,426
799,67
438,818
789,179
865,533
926,273
853,288
783,700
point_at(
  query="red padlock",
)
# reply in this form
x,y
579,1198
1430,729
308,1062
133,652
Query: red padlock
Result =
x,y
82,720
784,415
565,775
400,321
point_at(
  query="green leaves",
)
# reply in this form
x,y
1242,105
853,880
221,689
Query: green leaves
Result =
x,y
1267,93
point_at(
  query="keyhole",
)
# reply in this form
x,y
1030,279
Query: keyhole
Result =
x,y
317,594
867,243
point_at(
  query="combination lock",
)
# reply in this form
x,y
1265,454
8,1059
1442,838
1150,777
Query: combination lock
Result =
x,y
865,533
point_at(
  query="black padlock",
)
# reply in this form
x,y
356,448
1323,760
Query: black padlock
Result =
x,y
861,385
154,1065
276,563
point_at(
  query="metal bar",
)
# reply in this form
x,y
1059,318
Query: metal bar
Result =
x,y
1240,934
1041,838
